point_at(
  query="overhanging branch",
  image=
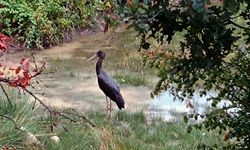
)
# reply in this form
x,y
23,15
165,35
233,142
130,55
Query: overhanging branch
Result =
x,y
237,25
57,113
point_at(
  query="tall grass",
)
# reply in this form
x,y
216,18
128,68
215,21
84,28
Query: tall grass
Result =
x,y
23,115
125,131
130,131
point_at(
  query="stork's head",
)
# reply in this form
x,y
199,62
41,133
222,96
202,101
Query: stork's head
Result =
x,y
100,54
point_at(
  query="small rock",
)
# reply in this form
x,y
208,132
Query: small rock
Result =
x,y
22,129
55,139
31,139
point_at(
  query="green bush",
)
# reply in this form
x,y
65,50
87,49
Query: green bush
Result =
x,y
44,22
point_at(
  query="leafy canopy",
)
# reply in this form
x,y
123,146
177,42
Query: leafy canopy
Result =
x,y
211,53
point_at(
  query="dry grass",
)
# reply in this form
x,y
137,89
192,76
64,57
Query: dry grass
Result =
x,y
109,140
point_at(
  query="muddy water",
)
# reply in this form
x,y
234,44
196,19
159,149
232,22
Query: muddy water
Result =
x,y
69,81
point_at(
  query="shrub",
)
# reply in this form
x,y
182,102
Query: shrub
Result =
x,y
43,22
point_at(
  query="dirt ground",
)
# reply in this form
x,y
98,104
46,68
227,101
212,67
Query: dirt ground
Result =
x,y
73,82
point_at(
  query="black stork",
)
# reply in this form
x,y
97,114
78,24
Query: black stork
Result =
x,y
109,87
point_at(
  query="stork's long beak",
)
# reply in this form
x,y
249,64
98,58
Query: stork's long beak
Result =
x,y
91,58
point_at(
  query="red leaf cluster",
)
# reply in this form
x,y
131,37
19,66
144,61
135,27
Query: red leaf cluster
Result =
x,y
24,80
3,39
20,76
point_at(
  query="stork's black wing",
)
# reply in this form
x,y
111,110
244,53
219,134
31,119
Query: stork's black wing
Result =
x,y
110,89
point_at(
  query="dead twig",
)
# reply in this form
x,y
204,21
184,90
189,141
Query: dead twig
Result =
x,y
8,99
40,101
34,59
38,71
80,116
57,113
14,123
40,80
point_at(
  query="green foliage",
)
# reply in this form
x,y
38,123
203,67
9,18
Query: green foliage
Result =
x,y
44,22
212,32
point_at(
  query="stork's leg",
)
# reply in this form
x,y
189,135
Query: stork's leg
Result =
x,y
117,119
107,105
110,108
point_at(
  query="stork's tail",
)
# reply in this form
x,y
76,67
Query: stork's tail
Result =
x,y
120,102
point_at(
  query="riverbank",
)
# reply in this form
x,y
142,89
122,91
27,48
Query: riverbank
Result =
x,y
124,131
70,82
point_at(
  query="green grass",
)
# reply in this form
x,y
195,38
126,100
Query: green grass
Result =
x,y
125,131
132,73
23,115
61,65
132,132
131,79
122,57
68,67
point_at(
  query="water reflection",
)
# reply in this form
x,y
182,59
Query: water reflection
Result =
x,y
165,107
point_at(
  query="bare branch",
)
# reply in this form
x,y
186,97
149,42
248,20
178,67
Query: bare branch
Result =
x,y
34,59
8,99
237,25
40,80
53,112
16,126
38,72
14,47
33,107
23,83
80,116
40,101
70,119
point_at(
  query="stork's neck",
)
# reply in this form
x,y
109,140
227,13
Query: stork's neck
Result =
x,y
99,66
